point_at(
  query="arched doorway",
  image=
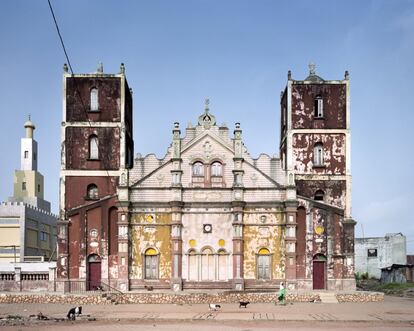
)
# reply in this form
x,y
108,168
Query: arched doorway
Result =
x,y
94,272
319,267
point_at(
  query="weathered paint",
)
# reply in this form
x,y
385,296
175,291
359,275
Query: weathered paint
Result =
x,y
333,157
334,190
155,234
334,106
257,235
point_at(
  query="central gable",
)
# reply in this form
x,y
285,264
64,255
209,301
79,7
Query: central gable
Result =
x,y
206,157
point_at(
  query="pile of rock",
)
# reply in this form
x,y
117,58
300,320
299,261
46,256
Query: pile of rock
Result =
x,y
360,297
53,298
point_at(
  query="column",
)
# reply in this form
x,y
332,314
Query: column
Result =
x,y
123,253
290,241
238,250
177,245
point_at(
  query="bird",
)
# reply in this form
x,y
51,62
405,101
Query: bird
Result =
x,y
214,306
243,304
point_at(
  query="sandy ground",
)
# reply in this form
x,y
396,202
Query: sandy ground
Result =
x,y
392,314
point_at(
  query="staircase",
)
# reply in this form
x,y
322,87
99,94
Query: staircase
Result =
x,y
328,297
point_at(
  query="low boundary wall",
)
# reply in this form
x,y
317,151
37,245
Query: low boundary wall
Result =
x,y
181,298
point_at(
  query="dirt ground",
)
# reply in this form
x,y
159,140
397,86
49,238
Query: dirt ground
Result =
x,y
395,313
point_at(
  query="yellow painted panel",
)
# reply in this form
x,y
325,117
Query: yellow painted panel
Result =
x,y
156,234
264,238
150,251
10,236
264,251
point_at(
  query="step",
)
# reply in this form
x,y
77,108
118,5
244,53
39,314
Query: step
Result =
x,y
328,297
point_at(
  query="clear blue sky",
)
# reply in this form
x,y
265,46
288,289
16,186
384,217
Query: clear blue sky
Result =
x,y
237,53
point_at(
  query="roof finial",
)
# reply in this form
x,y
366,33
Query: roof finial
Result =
x,y
29,117
65,67
206,103
312,67
122,69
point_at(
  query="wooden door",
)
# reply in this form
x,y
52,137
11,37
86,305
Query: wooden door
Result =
x,y
151,266
318,275
94,277
263,267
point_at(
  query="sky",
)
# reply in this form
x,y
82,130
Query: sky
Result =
x,y
237,54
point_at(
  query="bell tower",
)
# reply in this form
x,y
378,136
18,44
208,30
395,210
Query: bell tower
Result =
x,y
97,151
316,152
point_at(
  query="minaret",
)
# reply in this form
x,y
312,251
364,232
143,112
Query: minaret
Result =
x,y
28,154
28,182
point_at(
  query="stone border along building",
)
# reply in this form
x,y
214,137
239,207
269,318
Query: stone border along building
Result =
x,y
207,215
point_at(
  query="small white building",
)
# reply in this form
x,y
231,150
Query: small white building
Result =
x,y
372,254
27,227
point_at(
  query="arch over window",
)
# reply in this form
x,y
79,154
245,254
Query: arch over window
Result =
x,y
92,191
263,263
198,169
151,251
94,258
216,169
207,264
192,265
319,195
94,99
151,264
93,147
318,154
318,106
263,251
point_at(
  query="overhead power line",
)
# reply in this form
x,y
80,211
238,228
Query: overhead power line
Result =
x,y
75,83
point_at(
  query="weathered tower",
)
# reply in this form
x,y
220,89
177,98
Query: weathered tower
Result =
x,y
315,149
97,150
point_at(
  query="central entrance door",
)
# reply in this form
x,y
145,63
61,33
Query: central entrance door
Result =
x,y
94,272
319,262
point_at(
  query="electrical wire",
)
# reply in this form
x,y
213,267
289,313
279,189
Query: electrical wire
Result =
x,y
76,85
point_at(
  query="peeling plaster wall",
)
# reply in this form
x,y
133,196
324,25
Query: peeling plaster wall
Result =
x,y
76,189
78,98
334,106
333,158
77,148
257,235
335,190
155,234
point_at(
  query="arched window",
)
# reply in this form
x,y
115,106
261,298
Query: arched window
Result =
x,y
198,169
319,195
192,265
263,264
222,264
92,192
94,99
318,106
216,169
207,264
151,264
93,147
318,154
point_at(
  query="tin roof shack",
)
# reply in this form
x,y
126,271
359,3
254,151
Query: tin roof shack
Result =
x,y
397,273
373,254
